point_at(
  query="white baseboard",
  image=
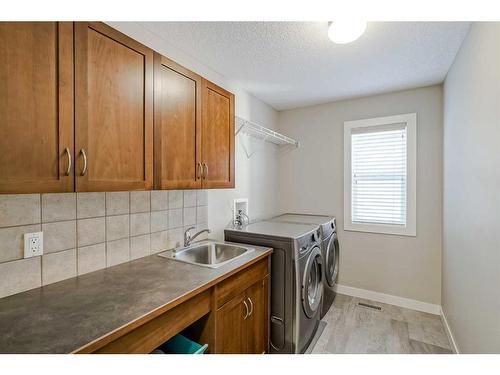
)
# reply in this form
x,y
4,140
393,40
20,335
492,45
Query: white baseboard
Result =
x,y
447,328
390,299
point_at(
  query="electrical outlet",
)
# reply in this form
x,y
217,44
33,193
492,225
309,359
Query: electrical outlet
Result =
x,y
33,244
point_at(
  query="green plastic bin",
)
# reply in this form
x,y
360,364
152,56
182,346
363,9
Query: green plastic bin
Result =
x,y
182,345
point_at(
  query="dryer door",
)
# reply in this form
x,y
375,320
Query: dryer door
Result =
x,y
332,260
312,283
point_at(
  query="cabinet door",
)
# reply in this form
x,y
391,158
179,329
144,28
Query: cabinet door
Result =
x,y
231,326
36,107
177,126
114,110
217,136
257,321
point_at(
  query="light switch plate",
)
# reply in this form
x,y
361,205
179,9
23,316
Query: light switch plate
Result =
x,y
33,244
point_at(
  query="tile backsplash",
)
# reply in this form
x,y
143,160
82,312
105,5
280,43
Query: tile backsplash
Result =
x,y
85,232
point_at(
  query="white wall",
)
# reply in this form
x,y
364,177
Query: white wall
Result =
x,y
255,177
311,181
471,196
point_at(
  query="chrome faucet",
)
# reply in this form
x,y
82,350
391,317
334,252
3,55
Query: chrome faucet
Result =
x,y
188,238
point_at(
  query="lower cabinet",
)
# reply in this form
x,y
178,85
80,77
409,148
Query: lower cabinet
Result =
x,y
232,326
231,317
242,311
256,322
241,323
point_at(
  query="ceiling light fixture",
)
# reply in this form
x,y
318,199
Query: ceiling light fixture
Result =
x,y
347,31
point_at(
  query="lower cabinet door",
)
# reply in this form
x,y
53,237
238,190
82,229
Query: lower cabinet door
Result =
x,y
257,321
231,326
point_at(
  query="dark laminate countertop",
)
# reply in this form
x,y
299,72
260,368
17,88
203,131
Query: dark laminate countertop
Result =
x,y
63,317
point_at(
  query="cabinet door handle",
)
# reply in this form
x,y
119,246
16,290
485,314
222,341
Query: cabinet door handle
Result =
x,y
69,161
251,307
246,308
200,171
206,170
82,151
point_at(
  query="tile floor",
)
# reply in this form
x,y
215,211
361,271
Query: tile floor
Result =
x,y
352,328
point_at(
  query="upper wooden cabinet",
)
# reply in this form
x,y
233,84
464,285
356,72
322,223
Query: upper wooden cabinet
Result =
x,y
77,114
194,130
217,145
113,110
36,107
177,129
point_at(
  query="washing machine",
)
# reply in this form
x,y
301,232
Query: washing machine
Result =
x,y
329,247
297,273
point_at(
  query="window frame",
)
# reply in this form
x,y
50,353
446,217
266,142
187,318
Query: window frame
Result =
x,y
410,119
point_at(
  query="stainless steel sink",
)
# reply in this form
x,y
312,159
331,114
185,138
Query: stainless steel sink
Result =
x,y
207,253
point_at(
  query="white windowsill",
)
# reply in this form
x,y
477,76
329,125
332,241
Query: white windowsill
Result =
x,y
381,229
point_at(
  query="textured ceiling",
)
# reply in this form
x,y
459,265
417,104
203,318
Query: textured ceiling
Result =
x,y
294,64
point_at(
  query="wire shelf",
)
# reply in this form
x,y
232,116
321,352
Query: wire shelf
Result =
x,y
266,134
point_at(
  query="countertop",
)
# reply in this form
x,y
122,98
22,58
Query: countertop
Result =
x,y
65,316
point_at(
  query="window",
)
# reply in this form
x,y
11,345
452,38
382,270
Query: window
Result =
x,y
380,175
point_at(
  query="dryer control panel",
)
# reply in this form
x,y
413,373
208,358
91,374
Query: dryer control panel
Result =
x,y
307,242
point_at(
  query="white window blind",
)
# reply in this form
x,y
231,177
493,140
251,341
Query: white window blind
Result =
x,y
379,174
